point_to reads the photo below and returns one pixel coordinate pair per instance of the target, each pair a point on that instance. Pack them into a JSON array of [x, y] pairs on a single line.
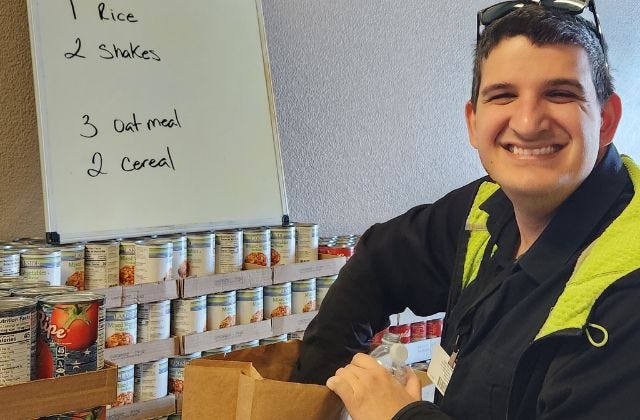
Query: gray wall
[[370, 100]]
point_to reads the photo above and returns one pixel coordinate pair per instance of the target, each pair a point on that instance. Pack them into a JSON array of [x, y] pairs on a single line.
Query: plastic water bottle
[[392, 354]]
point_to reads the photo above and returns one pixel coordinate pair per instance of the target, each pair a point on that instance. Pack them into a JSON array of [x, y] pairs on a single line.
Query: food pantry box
[[64, 394], [253, 384]]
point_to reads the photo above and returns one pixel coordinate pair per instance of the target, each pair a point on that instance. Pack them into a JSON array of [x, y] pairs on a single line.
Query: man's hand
[[369, 392]]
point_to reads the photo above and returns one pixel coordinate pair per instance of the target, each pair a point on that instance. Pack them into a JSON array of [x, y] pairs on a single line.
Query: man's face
[[537, 123]]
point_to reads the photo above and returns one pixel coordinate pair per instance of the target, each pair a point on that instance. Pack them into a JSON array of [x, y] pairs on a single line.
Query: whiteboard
[[154, 116]]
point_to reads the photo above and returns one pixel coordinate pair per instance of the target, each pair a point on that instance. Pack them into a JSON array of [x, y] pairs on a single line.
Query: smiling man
[[537, 265]]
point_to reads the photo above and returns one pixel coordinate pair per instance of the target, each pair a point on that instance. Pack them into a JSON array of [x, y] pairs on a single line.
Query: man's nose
[[530, 118]]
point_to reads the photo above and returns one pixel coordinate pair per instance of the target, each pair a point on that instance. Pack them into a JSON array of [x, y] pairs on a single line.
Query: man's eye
[[562, 95], [500, 97]]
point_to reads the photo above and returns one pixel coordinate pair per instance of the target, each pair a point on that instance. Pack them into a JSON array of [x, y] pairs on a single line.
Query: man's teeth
[[527, 152]]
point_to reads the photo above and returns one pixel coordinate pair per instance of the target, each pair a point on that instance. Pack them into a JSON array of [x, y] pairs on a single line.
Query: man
[[536, 266]]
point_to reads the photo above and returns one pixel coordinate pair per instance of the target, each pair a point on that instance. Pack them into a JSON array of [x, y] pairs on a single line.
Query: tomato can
[[154, 321], [124, 386], [201, 254], [296, 335], [256, 248], [249, 305], [229, 250], [72, 265], [188, 315], [71, 334], [277, 300], [150, 380], [101, 263], [179, 259], [121, 326], [18, 320], [403, 330], [217, 350], [34, 292], [418, 331], [41, 264], [127, 262], [339, 250], [9, 262], [283, 245], [303, 296], [245, 345], [434, 328], [154, 259], [275, 339], [306, 242], [176, 371], [322, 287], [221, 310]]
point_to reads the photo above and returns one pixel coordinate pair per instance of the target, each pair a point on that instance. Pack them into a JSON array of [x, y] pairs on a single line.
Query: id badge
[[441, 368]]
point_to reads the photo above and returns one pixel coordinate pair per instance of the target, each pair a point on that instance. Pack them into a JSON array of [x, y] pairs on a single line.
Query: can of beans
[[322, 287], [176, 371], [434, 328], [150, 380], [34, 292], [18, 319], [277, 300], [221, 310], [306, 242], [418, 331], [41, 264], [154, 259], [200, 254], [283, 245], [121, 326], [179, 260], [101, 263], [71, 334], [124, 386], [127, 262], [249, 305], [9, 262], [229, 251], [154, 321], [245, 345], [403, 330], [256, 248], [72, 265], [272, 340], [217, 350], [188, 315], [303, 296]]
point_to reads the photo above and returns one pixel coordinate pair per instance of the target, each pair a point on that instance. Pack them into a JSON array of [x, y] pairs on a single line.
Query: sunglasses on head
[[574, 7]]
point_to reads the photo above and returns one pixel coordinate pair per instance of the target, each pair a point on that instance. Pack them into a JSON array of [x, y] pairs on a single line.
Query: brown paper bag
[[252, 384]]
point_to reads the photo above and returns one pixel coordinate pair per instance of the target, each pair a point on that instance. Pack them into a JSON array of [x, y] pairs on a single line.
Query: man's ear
[[470, 116], [610, 115]]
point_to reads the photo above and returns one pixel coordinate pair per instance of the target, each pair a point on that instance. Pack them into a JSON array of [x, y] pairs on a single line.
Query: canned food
[[422, 366], [272, 340], [121, 326], [179, 260], [217, 350], [34, 292], [256, 248], [418, 331], [188, 315], [71, 334], [101, 263], [377, 338], [229, 251], [150, 380], [221, 310], [154, 260], [18, 320], [176, 371], [303, 296], [9, 262], [72, 265], [283, 245], [296, 335], [249, 305], [127, 262], [200, 254], [322, 287], [306, 242], [338, 250], [403, 330], [41, 264], [277, 300], [154, 321], [245, 345], [124, 386], [24, 284], [434, 328]]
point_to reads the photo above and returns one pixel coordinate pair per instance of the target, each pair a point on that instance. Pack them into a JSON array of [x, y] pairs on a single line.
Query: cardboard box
[[307, 270], [143, 352], [45, 397], [252, 384], [164, 406]]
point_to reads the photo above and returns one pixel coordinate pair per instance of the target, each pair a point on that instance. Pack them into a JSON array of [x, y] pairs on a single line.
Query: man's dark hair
[[543, 26]]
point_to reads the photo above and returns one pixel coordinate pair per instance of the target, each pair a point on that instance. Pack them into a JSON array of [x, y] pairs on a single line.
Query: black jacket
[[415, 261]]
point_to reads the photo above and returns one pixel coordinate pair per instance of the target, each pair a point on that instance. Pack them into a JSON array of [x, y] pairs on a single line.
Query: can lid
[[34, 292], [72, 298], [16, 302]]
